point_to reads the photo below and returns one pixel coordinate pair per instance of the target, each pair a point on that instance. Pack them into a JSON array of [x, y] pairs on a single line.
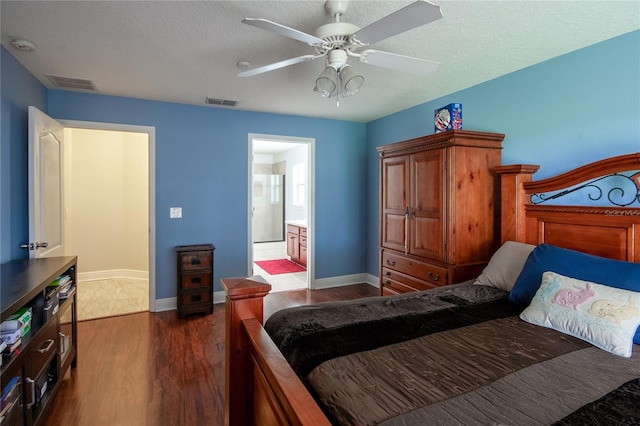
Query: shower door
[[268, 208]]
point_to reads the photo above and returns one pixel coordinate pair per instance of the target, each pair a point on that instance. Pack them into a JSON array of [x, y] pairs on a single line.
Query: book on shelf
[[66, 291], [10, 349], [60, 281], [10, 395]]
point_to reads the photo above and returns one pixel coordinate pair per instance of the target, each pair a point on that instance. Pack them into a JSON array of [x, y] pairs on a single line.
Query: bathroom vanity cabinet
[[297, 243]]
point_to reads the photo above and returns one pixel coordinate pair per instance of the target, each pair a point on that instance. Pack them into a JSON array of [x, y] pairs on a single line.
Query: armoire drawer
[[414, 268], [395, 287], [402, 283]]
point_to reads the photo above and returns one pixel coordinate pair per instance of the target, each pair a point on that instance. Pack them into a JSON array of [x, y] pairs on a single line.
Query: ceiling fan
[[337, 41]]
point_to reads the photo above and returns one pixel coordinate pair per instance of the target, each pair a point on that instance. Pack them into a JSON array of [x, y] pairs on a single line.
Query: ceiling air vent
[[223, 102], [71, 83]]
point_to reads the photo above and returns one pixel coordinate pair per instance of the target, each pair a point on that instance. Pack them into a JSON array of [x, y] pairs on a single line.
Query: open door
[[46, 197]]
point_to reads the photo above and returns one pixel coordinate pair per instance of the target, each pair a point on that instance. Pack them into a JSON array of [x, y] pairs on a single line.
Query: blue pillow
[[574, 264]]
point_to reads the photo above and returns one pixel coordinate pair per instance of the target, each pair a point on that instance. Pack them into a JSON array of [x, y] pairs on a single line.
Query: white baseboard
[[345, 280], [219, 297], [113, 273], [168, 304], [171, 303]]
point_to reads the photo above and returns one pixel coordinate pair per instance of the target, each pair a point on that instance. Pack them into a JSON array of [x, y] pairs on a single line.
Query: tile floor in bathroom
[[281, 282]]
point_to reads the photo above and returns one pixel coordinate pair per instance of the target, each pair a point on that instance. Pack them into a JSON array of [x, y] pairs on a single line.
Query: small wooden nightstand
[[195, 279]]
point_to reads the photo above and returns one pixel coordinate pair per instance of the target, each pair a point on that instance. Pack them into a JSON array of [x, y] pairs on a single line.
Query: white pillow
[[604, 316], [505, 265]]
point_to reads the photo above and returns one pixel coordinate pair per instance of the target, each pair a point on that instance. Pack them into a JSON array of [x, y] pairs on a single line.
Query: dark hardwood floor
[[157, 369]]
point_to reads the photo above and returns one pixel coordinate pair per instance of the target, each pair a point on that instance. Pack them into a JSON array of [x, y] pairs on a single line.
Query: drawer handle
[[433, 276], [64, 345], [391, 262], [195, 260], [387, 282], [32, 383], [196, 280], [388, 273], [49, 343]]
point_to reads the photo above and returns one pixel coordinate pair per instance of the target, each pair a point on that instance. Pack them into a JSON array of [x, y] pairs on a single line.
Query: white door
[[46, 198]]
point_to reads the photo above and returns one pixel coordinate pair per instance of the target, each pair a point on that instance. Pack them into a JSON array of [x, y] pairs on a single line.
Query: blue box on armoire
[[448, 118]]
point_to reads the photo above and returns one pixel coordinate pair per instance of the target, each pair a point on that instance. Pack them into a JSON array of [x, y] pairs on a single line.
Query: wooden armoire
[[439, 209]]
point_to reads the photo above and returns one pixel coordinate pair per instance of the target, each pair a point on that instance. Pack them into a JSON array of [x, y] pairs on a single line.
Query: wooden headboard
[[610, 231]]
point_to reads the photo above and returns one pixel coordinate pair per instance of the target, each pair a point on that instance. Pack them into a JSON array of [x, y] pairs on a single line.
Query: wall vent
[[223, 102], [71, 83]]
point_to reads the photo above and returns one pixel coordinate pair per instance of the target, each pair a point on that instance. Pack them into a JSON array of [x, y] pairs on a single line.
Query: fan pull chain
[[338, 91]]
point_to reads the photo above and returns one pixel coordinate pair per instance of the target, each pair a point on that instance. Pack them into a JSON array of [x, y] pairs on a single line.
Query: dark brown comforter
[[456, 355], [309, 335], [498, 372]]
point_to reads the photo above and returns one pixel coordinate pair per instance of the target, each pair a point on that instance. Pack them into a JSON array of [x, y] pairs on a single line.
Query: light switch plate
[[175, 212]]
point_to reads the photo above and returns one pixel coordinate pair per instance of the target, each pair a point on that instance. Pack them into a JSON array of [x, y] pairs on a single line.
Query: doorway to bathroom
[[280, 195]]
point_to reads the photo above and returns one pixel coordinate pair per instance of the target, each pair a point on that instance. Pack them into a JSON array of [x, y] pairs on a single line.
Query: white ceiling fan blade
[[282, 30], [416, 14], [277, 65], [398, 62]]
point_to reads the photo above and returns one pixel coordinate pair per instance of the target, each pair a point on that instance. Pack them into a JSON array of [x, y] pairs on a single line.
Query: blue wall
[[562, 113], [19, 89], [201, 165]]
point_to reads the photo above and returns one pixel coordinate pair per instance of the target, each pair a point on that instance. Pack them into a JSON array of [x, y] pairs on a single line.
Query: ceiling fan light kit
[[337, 41], [338, 75], [344, 78]]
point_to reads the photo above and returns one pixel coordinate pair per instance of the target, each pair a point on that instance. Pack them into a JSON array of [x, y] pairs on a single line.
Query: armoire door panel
[[395, 184], [427, 170], [427, 203], [427, 238], [395, 230], [394, 192]]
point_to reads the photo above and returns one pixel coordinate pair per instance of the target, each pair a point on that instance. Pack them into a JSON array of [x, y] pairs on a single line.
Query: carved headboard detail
[[610, 231]]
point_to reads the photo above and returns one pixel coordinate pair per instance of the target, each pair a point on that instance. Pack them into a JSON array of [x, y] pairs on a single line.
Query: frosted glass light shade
[[351, 82], [327, 82]]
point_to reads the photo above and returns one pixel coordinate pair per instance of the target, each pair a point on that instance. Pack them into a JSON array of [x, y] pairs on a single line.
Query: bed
[[545, 335]]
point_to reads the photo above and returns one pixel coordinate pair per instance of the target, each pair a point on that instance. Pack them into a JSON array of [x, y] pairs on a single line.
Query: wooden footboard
[[260, 386]]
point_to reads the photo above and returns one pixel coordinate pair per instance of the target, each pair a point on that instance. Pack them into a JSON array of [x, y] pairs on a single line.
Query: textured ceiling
[[184, 51]]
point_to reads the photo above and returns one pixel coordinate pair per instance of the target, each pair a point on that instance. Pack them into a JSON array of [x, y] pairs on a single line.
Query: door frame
[[310, 194], [151, 132]]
